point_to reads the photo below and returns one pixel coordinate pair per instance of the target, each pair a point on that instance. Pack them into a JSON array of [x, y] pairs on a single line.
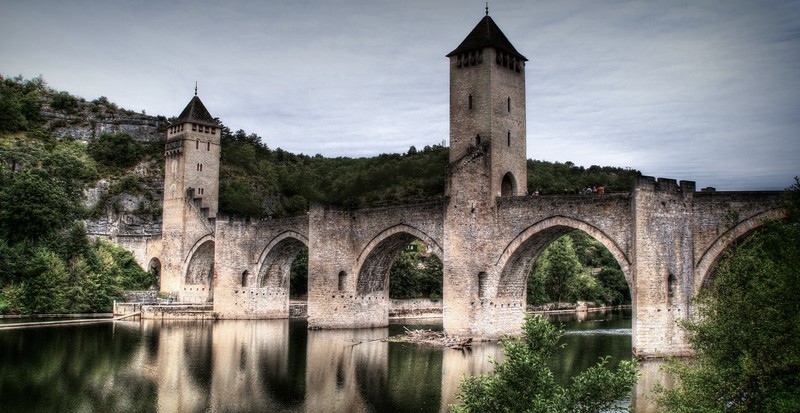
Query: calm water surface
[[263, 366]]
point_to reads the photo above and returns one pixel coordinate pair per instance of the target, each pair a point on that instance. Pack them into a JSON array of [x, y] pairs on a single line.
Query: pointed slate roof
[[196, 112], [486, 34]]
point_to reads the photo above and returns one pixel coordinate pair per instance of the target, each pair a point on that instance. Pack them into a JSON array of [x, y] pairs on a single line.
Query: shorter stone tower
[[191, 198]]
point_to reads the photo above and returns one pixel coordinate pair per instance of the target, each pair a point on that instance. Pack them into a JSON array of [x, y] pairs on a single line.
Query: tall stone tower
[[487, 107], [487, 161], [191, 198]]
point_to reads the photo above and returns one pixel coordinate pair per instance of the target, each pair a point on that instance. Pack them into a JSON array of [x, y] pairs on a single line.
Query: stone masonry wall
[[663, 267], [242, 247], [341, 241]]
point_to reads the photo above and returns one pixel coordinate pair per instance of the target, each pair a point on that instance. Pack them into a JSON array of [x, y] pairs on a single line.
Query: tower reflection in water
[[279, 365]]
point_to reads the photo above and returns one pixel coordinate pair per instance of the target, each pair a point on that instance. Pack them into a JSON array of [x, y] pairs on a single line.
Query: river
[[267, 365]]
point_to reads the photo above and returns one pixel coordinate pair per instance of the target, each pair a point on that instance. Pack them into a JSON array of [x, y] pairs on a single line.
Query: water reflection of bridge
[[279, 365]]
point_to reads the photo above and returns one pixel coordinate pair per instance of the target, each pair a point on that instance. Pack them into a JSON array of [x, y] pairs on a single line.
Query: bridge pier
[[663, 267]]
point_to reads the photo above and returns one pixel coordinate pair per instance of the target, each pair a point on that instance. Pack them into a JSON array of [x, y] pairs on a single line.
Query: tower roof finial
[[487, 8], [195, 88]]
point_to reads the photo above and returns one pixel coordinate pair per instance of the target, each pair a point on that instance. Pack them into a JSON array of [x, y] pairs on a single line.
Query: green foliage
[[64, 102], [20, 103], [560, 265], [257, 181], [525, 383], [49, 282], [298, 275], [33, 206], [415, 274], [577, 267], [746, 332], [116, 150], [238, 198], [568, 178], [49, 263]]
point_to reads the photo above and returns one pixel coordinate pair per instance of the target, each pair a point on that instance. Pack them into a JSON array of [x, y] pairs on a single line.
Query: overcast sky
[[699, 90]]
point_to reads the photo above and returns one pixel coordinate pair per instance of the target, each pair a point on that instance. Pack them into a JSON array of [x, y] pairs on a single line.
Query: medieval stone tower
[[191, 189], [487, 107], [487, 161]]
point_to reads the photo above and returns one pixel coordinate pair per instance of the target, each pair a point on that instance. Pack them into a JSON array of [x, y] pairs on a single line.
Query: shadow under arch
[[376, 259], [198, 275], [275, 261], [154, 267], [508, 186], [704, 268], [517, 259]]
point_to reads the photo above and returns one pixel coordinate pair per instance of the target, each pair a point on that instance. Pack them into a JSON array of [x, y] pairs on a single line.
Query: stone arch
[[517, 259], [704, 268], [276, 259], [198, 278], [376, 258], [508, 186], [154, 267]]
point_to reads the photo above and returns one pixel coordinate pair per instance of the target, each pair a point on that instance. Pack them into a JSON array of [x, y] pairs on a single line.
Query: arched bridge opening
[[557, 262], [402, 263], [198, 282], [377, 258], [706, 265], [154, 268], [282, 274]]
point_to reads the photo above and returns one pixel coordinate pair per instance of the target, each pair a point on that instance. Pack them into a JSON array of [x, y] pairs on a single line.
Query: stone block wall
[[345, 245], [243, 247], [663, 267]]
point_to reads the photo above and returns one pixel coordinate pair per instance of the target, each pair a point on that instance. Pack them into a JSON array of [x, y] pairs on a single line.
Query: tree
[[746, 332], [33, 206], [416, 275], [560, 267], [525, 383], [118, 150]]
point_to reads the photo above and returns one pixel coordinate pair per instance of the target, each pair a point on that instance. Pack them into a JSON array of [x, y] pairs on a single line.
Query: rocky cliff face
[[85, 121], [126, 205]]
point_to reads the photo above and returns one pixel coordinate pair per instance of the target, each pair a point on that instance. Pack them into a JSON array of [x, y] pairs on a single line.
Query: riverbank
[[566, 308]]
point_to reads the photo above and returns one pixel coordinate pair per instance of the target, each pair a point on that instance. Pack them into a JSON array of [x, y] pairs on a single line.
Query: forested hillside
[[258, 181], [49, 265]]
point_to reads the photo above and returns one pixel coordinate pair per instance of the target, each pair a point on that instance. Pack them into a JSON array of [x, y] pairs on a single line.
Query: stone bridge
[[665, 235], [666, 238]]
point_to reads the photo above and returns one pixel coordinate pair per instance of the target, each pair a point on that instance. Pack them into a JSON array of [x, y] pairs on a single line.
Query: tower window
[[194, 126], [197, 144], [478, 140], [470, 101], [208, 146], [509, 104], [509, 138]]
